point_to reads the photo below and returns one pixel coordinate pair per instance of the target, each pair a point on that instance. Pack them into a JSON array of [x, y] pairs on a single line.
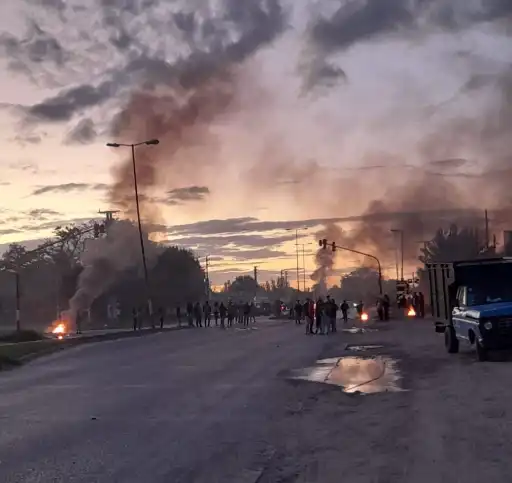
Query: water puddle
[[359, 330], [354, 374], [362, 348]]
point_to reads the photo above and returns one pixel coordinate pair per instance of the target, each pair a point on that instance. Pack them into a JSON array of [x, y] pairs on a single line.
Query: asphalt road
[[193, 405], [206, 406]]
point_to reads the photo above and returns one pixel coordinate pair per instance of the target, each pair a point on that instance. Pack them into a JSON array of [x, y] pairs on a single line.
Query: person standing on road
[[421, 304], [198, 314], [178, 315], [223, 312], [207, 309], [318, 315], [309, 311], [298, 312], [386, 302], [161, 315], [252, 312], [333, 311], [247, 313], [135, 314], [78, 322], [216, 313], [344, 311], [190, 314], [231, 313]]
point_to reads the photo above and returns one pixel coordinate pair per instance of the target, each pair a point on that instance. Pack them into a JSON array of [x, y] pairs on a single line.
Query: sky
[[272, 116]]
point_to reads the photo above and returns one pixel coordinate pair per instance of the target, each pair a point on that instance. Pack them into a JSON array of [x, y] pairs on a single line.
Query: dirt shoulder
[[452, 424]]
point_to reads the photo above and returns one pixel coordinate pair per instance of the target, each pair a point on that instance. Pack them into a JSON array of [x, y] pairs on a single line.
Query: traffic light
[[333, 246], [96, 230], [323, 243]]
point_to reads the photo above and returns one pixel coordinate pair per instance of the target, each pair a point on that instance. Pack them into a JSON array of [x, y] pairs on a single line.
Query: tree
[[244, 285], [363, 284], [453, 244]]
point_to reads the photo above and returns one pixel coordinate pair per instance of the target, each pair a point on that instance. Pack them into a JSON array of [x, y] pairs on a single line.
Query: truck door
[[458, 313]]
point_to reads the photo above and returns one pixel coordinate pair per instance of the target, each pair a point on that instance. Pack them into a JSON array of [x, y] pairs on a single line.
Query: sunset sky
[[333, 111]]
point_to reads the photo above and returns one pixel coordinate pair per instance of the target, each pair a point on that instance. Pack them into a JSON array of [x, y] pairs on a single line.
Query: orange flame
[[59, 329], [411, 313], [364, 316]]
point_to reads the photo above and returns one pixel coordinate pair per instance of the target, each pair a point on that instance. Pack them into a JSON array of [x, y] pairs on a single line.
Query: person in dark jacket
[[198, 313], [216, 313], [319, 309], [223, 311], [344, 310], [161, 316], [190, 314]]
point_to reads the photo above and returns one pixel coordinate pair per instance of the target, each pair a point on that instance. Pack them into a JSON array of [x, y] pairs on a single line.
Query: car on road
[[471, 302]]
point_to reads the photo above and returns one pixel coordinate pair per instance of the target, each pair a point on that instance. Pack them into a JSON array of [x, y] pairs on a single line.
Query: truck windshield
[[489, 294]]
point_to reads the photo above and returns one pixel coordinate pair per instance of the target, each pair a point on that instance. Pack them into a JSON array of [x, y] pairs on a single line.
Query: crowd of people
[[320, 316], [203, 315]]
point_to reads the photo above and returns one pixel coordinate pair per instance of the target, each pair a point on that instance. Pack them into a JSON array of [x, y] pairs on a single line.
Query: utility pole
[[207, 267], [297, 253], [486, 229], [256, 275], [304, 268]]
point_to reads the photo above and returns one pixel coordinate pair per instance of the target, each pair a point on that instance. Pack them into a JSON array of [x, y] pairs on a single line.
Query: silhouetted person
[[161, 316], [78, 322], [223, 311], [190, 314], [333, 311], [344, 311], [178, 315], [380, 308], [309, 312], [318, 315], [252, 313], [247, 313], [421, 304], [360, 308], [298, 312], [386, 303], [216, 313], [207, 309], [135, 314], [198, 314]]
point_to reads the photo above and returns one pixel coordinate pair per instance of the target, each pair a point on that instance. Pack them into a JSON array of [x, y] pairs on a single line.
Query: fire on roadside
[[59, 329], [411, 313], [364, 316]]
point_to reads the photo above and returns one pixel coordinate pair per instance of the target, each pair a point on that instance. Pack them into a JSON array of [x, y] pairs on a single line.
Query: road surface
[[204, 405]]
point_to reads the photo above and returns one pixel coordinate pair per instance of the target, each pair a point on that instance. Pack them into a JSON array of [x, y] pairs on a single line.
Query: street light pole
[[297, 253], [141, 236], [304, 268], [401, 232]]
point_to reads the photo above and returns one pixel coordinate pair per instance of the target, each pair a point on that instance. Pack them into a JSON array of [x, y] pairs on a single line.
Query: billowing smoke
[[399, 112], [104, 259], [325, 258]]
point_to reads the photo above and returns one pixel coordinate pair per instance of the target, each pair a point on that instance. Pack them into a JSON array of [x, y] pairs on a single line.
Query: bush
[[21, 336]]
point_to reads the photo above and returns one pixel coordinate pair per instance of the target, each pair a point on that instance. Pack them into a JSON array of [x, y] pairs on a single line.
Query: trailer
[[471, 302]]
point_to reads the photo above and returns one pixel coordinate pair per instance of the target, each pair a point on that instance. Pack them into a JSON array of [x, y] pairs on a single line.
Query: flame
[[411, 313], [364, 316], [59, 329]]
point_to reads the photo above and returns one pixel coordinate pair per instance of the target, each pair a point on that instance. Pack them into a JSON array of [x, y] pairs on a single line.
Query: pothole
[[355, 374]]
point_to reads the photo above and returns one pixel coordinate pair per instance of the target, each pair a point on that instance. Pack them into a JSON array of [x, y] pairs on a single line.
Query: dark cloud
[[361, 20], [82, 133], [68, 188], [190, 193], [63, 106], [9, 231], [43, 213], [36, 47]]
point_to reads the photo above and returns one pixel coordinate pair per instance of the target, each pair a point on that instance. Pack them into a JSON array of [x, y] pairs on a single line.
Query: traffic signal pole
[[323, 243]]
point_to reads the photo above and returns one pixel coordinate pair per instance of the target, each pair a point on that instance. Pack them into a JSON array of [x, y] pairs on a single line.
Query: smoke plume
[[104, 259], [325, 258], [396, 111]]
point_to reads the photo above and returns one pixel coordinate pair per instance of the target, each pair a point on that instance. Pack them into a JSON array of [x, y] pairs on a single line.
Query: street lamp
[[297, 252], [304, 264], [401, 233], [151, 142]]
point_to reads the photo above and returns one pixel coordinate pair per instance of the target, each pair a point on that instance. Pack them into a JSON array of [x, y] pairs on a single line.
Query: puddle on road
[[354, 374], [359, 330], [362, 348]]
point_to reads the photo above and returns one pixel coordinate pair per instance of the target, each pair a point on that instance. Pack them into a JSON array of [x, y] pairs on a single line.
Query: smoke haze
[[397, 111]]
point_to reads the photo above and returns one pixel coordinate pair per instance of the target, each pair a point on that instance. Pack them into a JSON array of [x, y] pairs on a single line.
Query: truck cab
[[471, 301]]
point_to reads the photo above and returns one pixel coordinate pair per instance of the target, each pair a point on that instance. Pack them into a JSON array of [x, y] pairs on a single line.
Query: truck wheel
[[481, 352], [450, 340]]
